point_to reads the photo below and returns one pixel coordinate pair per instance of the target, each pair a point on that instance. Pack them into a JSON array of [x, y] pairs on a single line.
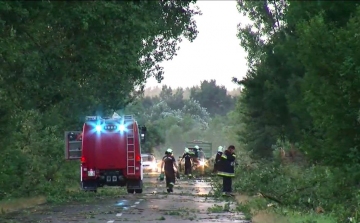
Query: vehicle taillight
[[82, 159], [138, 158]]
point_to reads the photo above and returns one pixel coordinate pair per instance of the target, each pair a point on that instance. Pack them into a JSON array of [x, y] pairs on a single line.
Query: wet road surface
[[188, 203]]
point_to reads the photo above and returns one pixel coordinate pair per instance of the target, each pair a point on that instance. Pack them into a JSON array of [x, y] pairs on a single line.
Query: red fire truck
[[109, 150]]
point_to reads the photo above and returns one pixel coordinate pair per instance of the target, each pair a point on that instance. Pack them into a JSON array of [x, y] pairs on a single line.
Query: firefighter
[[197, 148], [191, 152], [192, 155], [168, 166], [226, 169], [187, 157], [196, 155], [217, 158]]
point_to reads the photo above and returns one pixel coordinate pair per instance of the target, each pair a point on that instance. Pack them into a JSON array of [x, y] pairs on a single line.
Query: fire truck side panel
[[106, 159]]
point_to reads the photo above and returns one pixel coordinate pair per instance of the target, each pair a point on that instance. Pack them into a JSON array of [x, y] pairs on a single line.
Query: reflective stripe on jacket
[[226, 164]]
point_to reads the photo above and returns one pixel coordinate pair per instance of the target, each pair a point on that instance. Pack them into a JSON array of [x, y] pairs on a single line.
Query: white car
[[149, 163]]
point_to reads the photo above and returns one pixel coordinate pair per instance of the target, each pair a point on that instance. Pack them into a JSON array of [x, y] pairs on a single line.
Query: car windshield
[[148, 158]]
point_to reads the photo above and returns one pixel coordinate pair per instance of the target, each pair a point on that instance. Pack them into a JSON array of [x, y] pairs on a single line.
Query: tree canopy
[[302, 83], [174, 119], [301, 96], [213, 97], [64, 60]]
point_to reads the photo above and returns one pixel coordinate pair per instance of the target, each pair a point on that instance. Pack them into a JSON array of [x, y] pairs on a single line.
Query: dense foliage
[[301, 85], [302, 93], [173, 120], [64, 60]]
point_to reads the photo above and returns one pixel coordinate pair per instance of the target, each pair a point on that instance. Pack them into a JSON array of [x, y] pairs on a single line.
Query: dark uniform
[[226, 170], [170, 175], [187, 158], [217, 161], [196, 156], [196, 152], [192, 155]]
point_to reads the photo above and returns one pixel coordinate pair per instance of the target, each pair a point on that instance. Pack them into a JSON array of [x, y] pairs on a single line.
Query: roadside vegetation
[[62, 61], [298, 113]]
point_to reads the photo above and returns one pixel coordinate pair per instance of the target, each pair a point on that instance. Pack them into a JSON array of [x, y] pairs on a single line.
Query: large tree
[[173, 98], [87, 55], [301, 84], [64, 60], [213, 97]]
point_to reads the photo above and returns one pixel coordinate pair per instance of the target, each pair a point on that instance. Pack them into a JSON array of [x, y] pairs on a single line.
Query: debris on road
[[189, 202]]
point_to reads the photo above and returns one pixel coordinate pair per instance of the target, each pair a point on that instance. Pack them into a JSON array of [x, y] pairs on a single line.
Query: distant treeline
[[155, 91]]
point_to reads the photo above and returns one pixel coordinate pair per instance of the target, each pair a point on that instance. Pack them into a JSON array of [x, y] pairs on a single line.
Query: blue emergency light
[[98, 128], [122, 127]]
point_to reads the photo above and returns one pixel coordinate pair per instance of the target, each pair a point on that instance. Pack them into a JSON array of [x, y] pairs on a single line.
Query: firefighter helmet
[[220, 149], [169, 150], [196, 147], [186, 150]]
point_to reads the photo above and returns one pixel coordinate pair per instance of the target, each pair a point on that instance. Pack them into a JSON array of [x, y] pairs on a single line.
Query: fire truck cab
[[109, 150]]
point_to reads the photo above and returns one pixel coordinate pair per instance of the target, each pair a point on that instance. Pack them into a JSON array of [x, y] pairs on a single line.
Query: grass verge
[[301, 191], [11, 205], [260, 210], [263, 212], [71, 194]]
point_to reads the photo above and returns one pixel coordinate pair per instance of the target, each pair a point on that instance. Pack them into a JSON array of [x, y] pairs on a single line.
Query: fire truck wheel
[[130, 191], [139, 191]]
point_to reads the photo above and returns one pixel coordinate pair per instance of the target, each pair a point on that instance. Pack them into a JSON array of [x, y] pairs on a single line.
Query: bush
[[304, 188]]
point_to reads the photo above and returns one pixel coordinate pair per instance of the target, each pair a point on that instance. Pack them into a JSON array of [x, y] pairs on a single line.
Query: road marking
[[111, 221], [133, 206], [137, 202], [118, 214]]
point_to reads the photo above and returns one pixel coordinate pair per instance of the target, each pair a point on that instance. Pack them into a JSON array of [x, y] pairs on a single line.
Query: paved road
[[188, 203]]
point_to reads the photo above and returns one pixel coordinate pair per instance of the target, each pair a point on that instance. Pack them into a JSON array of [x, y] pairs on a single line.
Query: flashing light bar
[[91, 118], [110, 127], [95, 118]]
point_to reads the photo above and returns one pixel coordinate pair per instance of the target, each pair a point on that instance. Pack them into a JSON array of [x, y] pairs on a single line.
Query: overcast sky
[[216, 52]]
